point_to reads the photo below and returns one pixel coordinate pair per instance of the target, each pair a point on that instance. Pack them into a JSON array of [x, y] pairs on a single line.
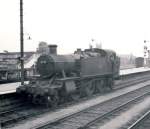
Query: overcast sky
[[121, 25]]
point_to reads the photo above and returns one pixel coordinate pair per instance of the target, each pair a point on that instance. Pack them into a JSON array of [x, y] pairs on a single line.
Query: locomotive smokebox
[[48, 65], [52, 49]]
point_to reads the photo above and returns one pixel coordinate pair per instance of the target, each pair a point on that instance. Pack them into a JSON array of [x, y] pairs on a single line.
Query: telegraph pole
[[21, 43]]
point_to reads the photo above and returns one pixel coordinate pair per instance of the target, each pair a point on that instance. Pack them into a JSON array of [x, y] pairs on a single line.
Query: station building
[[9, 64]]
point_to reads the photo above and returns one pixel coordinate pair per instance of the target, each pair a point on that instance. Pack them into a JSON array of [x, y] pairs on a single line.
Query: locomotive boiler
[[64, 77]]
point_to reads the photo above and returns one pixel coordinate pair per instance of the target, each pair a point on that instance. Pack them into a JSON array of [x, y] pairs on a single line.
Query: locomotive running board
[[85, 77]]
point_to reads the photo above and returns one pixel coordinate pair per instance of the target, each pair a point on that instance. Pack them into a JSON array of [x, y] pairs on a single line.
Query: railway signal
[[146, 51]]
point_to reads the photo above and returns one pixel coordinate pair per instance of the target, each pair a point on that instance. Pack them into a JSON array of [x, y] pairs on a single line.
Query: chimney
[[53, 49]]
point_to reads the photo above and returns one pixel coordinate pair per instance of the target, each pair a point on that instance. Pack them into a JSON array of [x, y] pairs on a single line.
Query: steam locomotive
[[64, 77]]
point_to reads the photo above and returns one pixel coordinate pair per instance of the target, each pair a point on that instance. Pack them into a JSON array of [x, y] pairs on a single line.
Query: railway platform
[[11, 87], [134, 70]]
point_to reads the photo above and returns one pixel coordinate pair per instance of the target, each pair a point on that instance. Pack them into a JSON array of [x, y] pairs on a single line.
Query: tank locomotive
[[72, 76]]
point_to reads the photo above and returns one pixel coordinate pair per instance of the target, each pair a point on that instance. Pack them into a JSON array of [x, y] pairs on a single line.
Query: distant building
[[10, 64], [127, 61], [10, 60]]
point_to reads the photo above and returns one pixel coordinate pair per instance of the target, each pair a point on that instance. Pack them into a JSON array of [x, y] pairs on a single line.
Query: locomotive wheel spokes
[[89, 89], [29, 97], [34, 99], [55, 101], [109, 84], [75, 96], [52, 100], [100, 86], [37, 99]]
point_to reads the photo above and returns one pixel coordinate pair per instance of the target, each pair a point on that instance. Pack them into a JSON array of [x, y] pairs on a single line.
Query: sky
[[120, 25]]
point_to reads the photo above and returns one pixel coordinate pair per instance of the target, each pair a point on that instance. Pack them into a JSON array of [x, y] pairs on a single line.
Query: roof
[[15, 53], [101, 51]]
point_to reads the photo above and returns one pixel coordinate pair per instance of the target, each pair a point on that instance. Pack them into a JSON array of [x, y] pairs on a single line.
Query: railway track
[[11, 103], [19, 110], [21, 113], [142, 123], [85, 118]]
